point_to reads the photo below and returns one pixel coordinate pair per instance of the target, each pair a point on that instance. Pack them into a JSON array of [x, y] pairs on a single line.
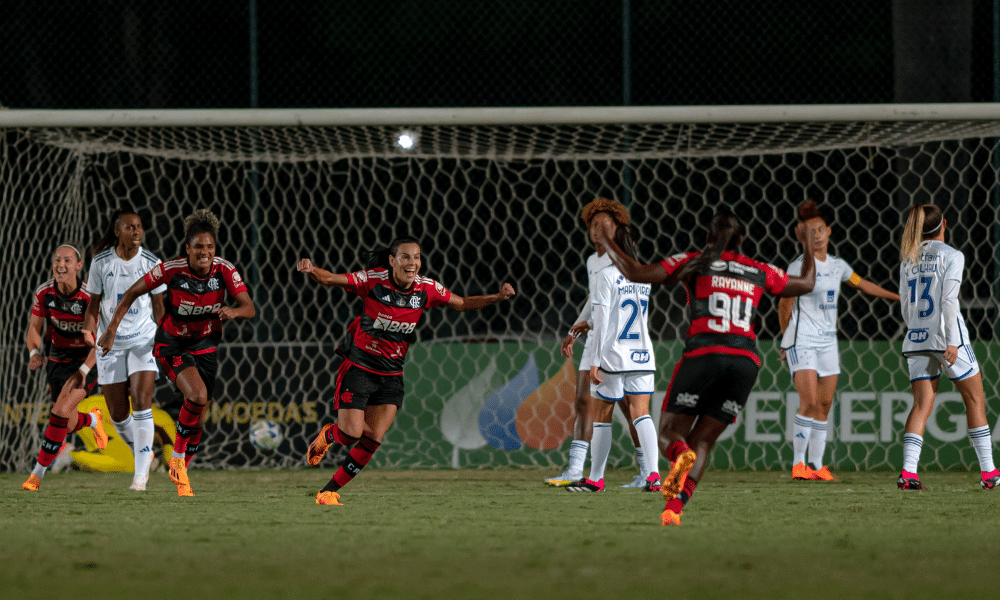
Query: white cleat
[[638, 482], [563, 480]]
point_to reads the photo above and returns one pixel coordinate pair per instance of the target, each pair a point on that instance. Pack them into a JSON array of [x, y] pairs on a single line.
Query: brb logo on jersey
[[188, 309], [919, 335], [640, 356], [393, 326]]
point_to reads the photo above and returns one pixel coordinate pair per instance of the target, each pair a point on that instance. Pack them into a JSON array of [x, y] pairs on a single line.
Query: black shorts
[[357, 388], [716, 385], [174, 358], [58, 373]]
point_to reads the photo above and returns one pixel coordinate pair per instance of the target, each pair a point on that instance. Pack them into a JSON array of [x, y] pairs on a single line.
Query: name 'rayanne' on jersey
[[738, 285]]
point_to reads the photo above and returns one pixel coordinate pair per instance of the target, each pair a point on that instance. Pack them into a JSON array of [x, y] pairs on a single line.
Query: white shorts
[[824, 360], [117, 365], [616, 385], [928, 365], [587, 359]]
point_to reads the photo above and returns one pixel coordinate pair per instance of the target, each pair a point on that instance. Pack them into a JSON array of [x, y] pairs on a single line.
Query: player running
[[126, 365], [583, 402], [713, 379], [809, 344], [57, 308], [369, 385], [623, 363], [190, 331], [937, 341]]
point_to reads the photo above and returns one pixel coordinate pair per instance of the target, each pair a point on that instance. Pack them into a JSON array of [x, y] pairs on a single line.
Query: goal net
[[495, 195]]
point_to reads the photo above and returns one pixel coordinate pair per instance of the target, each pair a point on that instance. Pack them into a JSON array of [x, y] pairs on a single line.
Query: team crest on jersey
[[213, 284], [236, 277], [76, 309], [158, 271], [439, 288], [414, 302]]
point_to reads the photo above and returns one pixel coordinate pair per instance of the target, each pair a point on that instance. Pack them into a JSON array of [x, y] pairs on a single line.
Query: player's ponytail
[[724, 235], [923, 221], [110, 237]]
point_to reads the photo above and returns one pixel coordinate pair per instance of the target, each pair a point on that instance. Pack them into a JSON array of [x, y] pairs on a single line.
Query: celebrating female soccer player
[[937, 340], [713, 379], [622, 364], [58, 307], [583, 402], [126, 363], [190, 331], [809, 324], [369, 384]]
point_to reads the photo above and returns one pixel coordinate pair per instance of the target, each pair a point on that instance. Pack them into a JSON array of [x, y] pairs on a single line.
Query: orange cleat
[[673, 483], [802, 472], [328, 499], [669, 517], [179, 475], [97, 424], [32, 484], [318, 447], [823, 474]]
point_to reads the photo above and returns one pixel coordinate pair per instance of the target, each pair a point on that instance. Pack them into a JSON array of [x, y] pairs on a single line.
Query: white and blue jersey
[[928, 293], [813, 323], [620, 324], [110, 277]]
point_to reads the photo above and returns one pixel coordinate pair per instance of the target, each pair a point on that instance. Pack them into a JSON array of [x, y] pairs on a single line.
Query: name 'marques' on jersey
[[379, 339], [63, 316], [722, 302], [192, 301]]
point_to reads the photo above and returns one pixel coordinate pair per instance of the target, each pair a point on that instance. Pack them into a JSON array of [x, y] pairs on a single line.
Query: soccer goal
[[495, 196]]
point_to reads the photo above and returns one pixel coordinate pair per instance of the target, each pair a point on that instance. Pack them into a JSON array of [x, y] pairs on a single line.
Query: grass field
[[495, 534]]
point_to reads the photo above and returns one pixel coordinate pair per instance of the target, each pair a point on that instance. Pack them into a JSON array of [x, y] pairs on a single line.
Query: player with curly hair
[[189, 333], [595, 213], [57, 318], [937, 341], [809, 343], [713, 380], [368, 390]]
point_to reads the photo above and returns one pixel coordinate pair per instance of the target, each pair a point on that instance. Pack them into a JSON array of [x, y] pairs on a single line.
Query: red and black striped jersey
[[192, 301], [63, 316], [379, 339], [722, 302]]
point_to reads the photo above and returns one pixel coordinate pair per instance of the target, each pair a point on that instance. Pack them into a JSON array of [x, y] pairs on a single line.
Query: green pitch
[[494, 534]]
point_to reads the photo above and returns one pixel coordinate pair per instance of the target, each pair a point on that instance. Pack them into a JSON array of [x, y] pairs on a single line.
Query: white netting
[[494, 203]]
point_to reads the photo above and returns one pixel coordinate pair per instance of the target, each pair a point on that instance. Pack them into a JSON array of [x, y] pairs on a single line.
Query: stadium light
[[407, 140]]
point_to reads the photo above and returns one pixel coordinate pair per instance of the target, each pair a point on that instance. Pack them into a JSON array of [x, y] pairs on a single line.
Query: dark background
[[447, 53]]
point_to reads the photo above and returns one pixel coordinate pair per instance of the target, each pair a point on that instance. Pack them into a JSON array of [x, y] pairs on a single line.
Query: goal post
[[494, 195]]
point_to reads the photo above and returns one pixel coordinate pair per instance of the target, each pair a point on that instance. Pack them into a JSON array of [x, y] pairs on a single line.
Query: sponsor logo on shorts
[[918, 335], [731, 407], [689, 400], [640, 356]]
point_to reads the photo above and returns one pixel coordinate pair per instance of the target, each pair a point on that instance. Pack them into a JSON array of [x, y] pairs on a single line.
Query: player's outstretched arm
[[137, 289], [632, 269], [321, 276], [33, 338], [873, 289], [244, 308], [804, 283], [465, 303]]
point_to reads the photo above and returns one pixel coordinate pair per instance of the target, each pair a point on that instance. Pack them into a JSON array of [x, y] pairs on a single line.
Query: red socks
[[335, 435], [55, 435], [675, 449], [356, 460], [82, 420], [187, 425]]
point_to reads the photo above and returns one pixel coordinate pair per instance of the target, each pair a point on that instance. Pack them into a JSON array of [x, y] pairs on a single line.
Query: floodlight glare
[[406, 140]]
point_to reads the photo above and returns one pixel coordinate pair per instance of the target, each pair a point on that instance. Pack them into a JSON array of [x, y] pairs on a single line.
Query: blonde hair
[[922, 221], [618, 211]]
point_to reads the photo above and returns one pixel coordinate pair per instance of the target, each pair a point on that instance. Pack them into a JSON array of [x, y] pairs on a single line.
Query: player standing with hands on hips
[[713, 380], [937, 341]]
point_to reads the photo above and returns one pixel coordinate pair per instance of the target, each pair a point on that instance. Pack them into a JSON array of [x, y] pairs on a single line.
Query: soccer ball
[[265, 435]]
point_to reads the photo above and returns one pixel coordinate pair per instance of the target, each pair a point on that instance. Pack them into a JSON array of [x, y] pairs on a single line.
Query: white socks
[[912, 443], [143, 445], [983, 444], [124, 429], [577, 456], [801, 434], [817, 444], [600, 447], [649, 457]]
